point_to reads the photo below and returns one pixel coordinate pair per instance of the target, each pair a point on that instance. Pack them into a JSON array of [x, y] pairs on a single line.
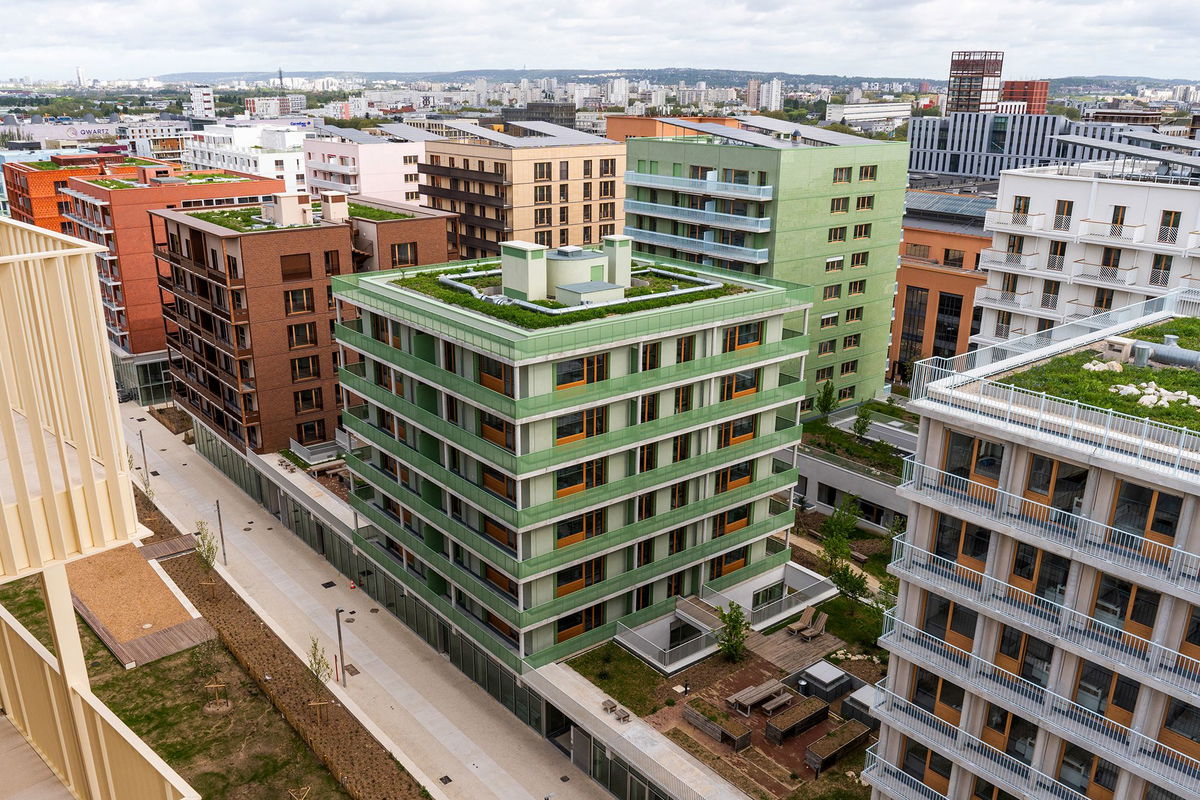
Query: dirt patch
[[871, 545], [335, 481], [149, 515], [368, 771], [808, 559], [864, 669], [125, 593], [173, 419]]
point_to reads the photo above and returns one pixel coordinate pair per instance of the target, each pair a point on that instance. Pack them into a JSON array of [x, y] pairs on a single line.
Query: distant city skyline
[[910, 38]]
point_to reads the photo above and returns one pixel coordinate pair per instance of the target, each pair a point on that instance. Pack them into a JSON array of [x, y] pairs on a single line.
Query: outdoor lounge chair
[[817, 628], [805, 621]]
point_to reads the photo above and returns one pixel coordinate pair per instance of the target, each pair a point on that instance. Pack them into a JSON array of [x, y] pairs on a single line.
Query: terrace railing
[[893, 781]]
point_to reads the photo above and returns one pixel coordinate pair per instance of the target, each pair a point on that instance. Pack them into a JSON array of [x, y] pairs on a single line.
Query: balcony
[[464, 174], [736, 222], [1110, 232], [991, 258], [332, 166], [1047, 619], [1061, 222], [748, 255], [970, 752], [1056, 263], [698, 186], [496, 201], [337, 186], [99, 227], [1100, 545], [1061, 715], [1106, 274], [1020, 222], [1047, 304], [893, 781], [1000, 298]]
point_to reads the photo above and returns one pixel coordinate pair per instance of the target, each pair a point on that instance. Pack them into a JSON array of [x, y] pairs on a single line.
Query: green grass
[[242, 220], [879, 455], [217, 177], [854, 623], [367, 212], [250, 753], [295, 459], [1063, 377], [895, 411], [112, 183], [1186, 328], [427, 283], [622, 675]]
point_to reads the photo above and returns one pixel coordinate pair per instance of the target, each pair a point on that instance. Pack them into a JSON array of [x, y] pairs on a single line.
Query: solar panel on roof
[[1122, 148], [563, 134], [351, 134], [732, 134], [1161, 138], [956, 204], [811, 132], [409, 132]]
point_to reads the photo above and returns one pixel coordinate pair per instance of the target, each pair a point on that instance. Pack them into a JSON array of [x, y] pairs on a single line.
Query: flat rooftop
[[49, 166], [1085, 385], [250, 219], [178, 179]]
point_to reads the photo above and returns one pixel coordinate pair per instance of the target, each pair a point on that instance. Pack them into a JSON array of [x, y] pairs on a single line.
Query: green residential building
[[793, 202], [562, 446]]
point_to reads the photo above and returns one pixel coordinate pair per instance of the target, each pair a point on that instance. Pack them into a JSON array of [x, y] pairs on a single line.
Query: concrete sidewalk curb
[[431, 786]]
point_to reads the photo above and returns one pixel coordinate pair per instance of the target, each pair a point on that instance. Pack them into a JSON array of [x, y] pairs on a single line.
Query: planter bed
[[825, 751], [797, 719], [718, 724]]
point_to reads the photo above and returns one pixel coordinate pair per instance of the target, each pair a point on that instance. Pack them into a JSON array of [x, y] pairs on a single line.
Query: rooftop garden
[[216, 177], [427, 284], [1186, 328], [112, 183], [876, 455], [242, 220], [378, 214], [1065, 376], [50, 165]]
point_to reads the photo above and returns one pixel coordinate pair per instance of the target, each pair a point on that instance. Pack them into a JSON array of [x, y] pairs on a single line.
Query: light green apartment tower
[[556, 446], [793, 202]]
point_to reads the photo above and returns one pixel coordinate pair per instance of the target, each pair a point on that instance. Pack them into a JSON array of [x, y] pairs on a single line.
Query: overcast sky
[[909, 38]]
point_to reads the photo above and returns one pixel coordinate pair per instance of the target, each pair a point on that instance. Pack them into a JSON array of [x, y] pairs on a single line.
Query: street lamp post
[[341, 651]]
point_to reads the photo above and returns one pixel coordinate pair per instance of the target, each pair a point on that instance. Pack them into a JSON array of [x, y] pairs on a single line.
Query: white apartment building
[[855, 114], [383, 166], [1046, 640], [161, 139], [1073, 240], [770, 95], [271, 151], [203, 102]]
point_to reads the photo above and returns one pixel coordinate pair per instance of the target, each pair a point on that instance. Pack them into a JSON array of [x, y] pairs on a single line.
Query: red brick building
[[1034, 94], [111, 210], [248, 310]]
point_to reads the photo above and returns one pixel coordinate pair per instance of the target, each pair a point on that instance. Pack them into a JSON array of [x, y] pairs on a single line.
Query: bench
[[861, 558], [816, 629], [805, 621], [749, 697], [775, 704], [622, 714], [609, 706]]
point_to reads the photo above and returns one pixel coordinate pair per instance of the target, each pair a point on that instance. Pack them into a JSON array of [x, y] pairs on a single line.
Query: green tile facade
[[443, 442], [769, 211]]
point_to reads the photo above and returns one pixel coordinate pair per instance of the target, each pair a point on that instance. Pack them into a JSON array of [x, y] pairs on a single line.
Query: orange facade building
[[621, 128], [113, 211], [34, 186], [938, 276], [1034, 94]]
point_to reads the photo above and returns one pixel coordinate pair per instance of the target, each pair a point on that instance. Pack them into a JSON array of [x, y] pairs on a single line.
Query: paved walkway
[[26, 776], [442, 721]]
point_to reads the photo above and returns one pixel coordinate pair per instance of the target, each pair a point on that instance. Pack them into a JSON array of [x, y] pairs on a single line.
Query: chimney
[[334, 207], [619, 250], [523, 270], [288, 208]]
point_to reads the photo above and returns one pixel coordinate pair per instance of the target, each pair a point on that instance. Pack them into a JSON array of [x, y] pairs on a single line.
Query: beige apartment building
[[535, 182]]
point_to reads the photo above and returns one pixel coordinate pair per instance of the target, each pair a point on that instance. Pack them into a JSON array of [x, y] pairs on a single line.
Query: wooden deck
[[152, 646], [791, 653], [167, 548]]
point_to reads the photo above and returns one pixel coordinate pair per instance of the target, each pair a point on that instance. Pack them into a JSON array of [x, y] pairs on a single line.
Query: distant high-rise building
[[79, 76], [974, 80], [203, 102], [771, 97], [752, 89], [1033, 94]]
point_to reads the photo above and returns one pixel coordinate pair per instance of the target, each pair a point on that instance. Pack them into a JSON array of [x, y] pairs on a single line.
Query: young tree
[[826, 400], [849, 581], [318, 664], [206, 545], [862, 422], [836, 531], [731, 640]]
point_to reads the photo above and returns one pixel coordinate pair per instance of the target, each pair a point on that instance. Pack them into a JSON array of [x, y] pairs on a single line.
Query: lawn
[[622, 675], [890, 410], [854, 623], [1186, 328], [380, 214], [249, 753], [242, 220], [1063, 376], [877, 455]]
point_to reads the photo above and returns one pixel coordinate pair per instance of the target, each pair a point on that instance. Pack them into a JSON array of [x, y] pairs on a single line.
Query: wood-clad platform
[[791, 653], [152, 646], [176, 545]]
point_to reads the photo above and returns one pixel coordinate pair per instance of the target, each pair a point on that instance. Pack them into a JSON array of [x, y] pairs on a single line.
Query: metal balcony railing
[[1066, 627], [1055, 263], [698, 186], [332, 166], [893, 781], [1062, 222], [1050, 302], [737, 222], [1021, 220], [1063, 716], [665, 657], [1160, 277], [991, 296], [991, 257], [1168, 234], [972, 753], [1112, 231], [751, 255], [1104, 273]]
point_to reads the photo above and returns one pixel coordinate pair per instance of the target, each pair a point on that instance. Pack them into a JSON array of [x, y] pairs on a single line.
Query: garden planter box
[[718, 724], [797, 719], [824, 752]]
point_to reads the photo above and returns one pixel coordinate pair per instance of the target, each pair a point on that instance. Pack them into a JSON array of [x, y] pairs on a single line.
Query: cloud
[[899, 38]]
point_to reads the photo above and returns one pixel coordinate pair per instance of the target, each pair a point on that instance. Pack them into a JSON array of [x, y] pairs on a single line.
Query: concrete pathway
[[26, 776], [813, 546], [443, 723]]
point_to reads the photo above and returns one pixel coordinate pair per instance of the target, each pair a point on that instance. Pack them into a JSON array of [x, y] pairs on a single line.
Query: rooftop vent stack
[[523, 270], [619, 251], [1141, 355], [289, 208], [334, 207]]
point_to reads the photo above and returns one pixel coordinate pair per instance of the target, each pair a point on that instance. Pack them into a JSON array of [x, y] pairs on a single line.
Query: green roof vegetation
[[427, 283], [880, 456], [1064, 376], [242, 220], [218, 177], [111, 183], [369, 212], [1186, 328], [50, 165]]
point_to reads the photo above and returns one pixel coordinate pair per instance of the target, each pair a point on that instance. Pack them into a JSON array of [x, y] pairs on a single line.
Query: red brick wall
[[428, 232]]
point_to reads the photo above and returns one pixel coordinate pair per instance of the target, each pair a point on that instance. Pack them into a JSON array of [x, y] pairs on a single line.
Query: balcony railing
[[1050, 302], [321, 183], [749, 255], [333, 166], [700, 216], [972, 753], [1104, 273], [893, 781], [1020, 220], [1063, 716], [1055, 263], [1160, 277], [665, 657], [1066, 627], [1062, 222], [698, 186], [1002, 298], [1168, 235], [991, 257], [1095, 543], [1112, 231]]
